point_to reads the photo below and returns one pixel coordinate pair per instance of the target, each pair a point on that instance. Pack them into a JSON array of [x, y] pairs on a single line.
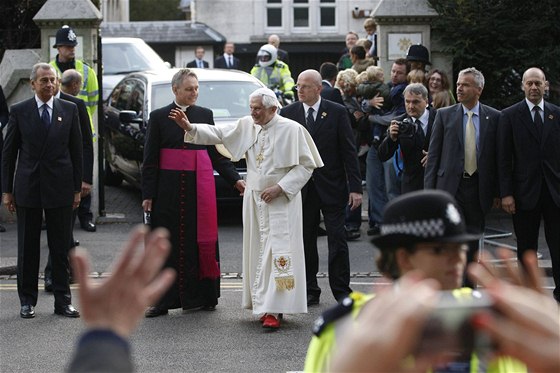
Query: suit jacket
[[525, 159], [411, 149], [446, 153], [193, 64], [331, 93], [283, 56], [101, 351], [220, 63], [87, 137], [49, 162], [334, 139]]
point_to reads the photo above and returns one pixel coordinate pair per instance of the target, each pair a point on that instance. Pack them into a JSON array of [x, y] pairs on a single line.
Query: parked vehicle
[[122, 56], [127, 110]]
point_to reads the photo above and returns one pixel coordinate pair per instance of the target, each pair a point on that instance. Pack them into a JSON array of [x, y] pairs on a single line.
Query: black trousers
[[526, 224], [48, 266], [29, 241], [468, 199], [339, 260]]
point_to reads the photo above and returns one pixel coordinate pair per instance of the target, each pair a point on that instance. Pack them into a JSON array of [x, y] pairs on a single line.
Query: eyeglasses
[[303, 86]]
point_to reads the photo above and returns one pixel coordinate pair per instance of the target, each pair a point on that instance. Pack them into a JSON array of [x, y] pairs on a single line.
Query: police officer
[[273, 72], [421, 231], [66, 41]]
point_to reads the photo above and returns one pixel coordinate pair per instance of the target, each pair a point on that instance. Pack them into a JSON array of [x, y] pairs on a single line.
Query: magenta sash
[[206, 214]]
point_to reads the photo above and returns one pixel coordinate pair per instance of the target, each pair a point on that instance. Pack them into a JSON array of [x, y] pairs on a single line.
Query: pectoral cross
[[259, 158]]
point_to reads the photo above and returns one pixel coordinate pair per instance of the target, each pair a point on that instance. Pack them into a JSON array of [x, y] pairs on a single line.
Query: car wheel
[[112, 178]]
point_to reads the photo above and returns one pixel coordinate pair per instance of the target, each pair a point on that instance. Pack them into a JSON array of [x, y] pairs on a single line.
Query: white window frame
[[314, 7]]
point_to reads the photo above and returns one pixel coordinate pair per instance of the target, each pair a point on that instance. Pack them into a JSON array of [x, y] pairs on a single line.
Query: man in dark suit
[[87, 152], [227, 60], [413, 140], [199, 60], [462, 153], [331, 188], [44, 139], [4, 117], [529, 169], [282, 54], [329, 71]]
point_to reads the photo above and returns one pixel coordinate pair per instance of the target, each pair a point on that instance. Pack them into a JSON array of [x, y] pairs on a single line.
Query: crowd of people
[[433, 169]]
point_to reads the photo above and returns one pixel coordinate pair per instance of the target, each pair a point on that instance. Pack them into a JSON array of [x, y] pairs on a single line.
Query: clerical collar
[[183, 108]]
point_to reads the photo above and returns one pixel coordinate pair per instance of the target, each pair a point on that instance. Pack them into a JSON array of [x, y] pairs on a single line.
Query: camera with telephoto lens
[[406, 128], [449, 328]]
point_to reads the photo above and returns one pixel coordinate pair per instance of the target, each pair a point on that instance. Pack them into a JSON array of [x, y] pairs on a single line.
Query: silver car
[[127, 110], [122, 56]]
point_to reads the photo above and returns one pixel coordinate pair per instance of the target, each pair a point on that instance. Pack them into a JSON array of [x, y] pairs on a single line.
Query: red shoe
[[271, 322], [262, 318]]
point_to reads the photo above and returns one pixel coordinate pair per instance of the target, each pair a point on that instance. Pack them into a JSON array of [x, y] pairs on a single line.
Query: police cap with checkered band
[[422, 216], [65, 36]]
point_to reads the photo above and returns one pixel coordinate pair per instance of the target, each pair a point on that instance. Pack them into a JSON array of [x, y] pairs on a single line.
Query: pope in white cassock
[[281, 157]]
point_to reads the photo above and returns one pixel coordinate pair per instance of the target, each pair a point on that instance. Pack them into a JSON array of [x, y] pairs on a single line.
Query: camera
[[406, 128], [449, 328]]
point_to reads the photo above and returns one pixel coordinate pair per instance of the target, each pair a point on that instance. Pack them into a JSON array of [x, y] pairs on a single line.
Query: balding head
[[534, 84], [274, 40], [71, 82], [309, 86]]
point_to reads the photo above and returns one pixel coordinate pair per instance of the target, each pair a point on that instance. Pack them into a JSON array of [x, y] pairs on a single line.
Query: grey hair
[[180, 75], [268, 101], [42, 66], [478, 77], [70, 76], [417, 89]]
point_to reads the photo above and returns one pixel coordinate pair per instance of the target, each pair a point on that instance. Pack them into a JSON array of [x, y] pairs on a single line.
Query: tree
[[501, 38], [166, 10]]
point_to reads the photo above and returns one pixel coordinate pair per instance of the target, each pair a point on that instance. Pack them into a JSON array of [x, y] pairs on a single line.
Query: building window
[[327, 13], [274, 13], [301, 13], [299, 16]]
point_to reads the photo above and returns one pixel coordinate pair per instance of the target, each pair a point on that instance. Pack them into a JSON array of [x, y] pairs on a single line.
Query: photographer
[[423, 232], [411, 132]]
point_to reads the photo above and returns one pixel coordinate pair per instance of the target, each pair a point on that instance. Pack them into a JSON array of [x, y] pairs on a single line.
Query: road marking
[[224, 285]]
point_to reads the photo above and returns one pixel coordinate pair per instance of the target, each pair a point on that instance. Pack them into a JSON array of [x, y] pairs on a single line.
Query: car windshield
[[227, 100], [122, 58]]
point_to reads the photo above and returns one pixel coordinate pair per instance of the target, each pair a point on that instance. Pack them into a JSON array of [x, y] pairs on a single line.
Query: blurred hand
[[86, 189], [527, 326], [394, 130], [508, 204], [388, 329], [179, 117], [424, 159], [77, 199], [240, 186], [119, 302], [354, 200], [377, 101], [9, 202], [147, 205], [271, 193]]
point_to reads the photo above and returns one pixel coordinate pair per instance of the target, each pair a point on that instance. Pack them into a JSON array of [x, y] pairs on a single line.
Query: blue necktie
[[45, 117]]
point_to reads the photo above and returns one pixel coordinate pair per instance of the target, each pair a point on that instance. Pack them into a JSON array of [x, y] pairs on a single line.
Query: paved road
[[227, 340]]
